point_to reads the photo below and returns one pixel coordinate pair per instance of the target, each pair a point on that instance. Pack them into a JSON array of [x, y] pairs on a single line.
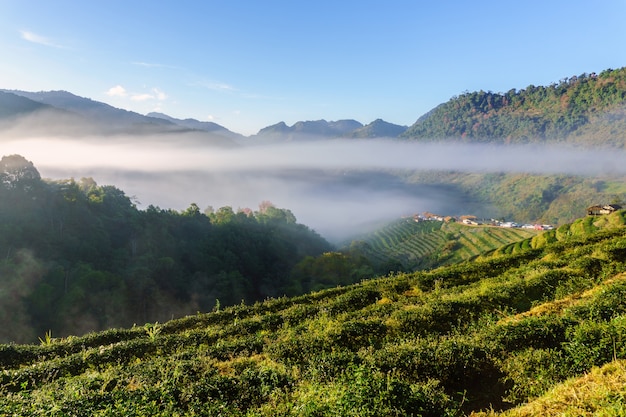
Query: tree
[[223, 215], [192, 211], [17, 172]]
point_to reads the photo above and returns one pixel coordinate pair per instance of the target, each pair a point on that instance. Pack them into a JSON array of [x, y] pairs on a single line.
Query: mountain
[[21, 116], [321, 129], [63, 113], [586, 109], [305, 130], [197, 125], [15, 105], [96, 112], [377, 129], [537, 331]]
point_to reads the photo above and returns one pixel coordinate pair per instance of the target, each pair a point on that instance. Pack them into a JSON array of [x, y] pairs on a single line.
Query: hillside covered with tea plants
[[408, 245], [533, 328]]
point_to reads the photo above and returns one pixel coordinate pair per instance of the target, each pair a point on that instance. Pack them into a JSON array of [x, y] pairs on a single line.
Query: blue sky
[[250, 64]]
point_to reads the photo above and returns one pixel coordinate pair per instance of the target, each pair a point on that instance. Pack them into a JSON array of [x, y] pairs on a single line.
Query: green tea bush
[[530, 372], [242, 346], [595, 343], [358, 333], [355, 299], [272, 321], [255, 385], [296, 314], [298, 348], [326, 366], [539, 332], [469, 272], [364, 392], [12, 356], [606, 304], [576, 285], [424, 319], [616, 251], [457, 363], [543, 286]]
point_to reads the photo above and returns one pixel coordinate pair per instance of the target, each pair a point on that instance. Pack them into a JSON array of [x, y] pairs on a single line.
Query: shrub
[[604, 305], [595, 343], [530, 372], [359, 333], [539, 332], [353, 300], [365, 392]]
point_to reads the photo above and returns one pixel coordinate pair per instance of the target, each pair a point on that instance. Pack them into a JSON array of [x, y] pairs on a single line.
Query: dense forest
[[78, 257], [584, 108], [537, 328]]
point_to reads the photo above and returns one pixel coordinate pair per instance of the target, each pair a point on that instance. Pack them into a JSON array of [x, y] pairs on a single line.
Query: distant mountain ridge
[[98, 117], [587, 109], [306, 130], [64, 113], [91, 110], [14, 105], [197, 125], [378, 129]]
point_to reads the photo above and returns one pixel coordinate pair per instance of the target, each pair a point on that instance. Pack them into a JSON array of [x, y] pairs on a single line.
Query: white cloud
[[222, 86], [217, 86], [141, 97], [155, 95], [160, 95], [38, 39], [117, 91]]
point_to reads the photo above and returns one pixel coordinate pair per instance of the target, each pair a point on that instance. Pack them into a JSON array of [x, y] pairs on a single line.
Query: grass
[[601, 392], [559, 306]]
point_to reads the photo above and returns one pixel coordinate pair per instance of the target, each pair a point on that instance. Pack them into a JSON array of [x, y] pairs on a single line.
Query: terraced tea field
[[426, 244]]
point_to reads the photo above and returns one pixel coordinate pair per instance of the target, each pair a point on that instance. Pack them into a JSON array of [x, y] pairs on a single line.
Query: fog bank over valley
[[336, 187]]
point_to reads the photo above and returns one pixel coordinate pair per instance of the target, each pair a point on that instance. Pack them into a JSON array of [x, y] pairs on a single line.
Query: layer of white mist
[[144, 155], [315, 180]]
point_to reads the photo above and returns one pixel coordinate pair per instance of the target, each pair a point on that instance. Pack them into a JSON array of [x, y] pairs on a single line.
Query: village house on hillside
[[599, 210], [427, 216]]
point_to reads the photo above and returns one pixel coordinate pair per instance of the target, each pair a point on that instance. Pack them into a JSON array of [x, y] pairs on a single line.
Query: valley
[[153, 265]]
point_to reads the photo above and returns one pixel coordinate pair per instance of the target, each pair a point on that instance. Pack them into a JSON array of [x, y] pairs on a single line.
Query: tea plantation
[[535, 328]]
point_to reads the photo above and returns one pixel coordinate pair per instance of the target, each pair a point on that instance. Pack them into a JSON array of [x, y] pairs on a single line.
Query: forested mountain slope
[[482, 336], [78, 257], [586, 109]]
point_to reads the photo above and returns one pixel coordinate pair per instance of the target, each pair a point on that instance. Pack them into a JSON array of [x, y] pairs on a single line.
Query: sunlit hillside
[[529, 327], [407, 244], [583, 109]]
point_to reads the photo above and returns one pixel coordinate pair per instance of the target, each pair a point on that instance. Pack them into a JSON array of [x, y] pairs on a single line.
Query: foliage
[[77, 257], [478, 337], [560, 111]]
